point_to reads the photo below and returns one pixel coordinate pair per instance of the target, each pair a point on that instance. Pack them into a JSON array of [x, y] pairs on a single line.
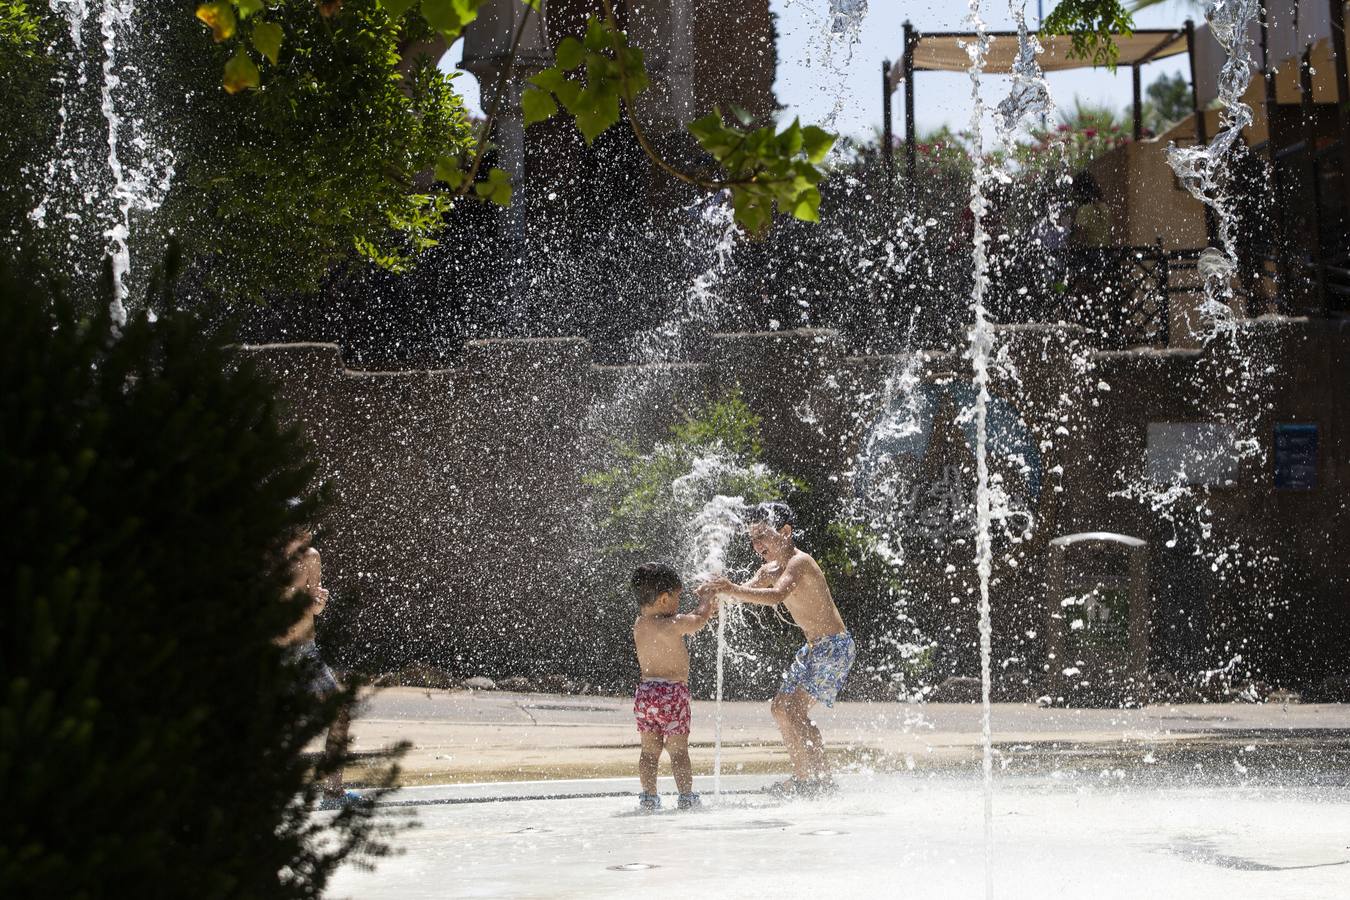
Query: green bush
[[151, 732], [637, 510], [272, 188]]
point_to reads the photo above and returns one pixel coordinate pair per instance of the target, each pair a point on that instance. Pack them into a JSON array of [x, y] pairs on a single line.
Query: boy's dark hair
[[303, 526], [775, 514], [652, 579]]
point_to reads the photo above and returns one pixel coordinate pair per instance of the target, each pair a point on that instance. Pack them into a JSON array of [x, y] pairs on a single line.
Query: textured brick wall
[[454, 535]]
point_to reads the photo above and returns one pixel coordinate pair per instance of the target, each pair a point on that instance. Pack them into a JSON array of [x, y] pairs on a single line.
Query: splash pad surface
[[900, 835], [1196, 801]]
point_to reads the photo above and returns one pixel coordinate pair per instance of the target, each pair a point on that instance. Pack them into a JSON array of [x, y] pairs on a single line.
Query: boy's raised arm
[[314, 581], [766, 596], [689, 623]]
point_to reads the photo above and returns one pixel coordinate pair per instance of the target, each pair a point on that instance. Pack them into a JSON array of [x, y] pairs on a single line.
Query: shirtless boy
[[661, 702], [306, 580], [791, 577]]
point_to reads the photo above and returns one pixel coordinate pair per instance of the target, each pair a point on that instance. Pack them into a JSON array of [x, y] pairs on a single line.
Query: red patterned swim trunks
[[662, 707]]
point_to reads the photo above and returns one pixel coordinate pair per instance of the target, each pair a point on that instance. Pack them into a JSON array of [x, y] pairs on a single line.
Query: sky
[[839, 86]]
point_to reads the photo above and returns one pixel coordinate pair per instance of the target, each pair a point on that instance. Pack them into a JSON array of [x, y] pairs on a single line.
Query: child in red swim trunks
[[661, 703]]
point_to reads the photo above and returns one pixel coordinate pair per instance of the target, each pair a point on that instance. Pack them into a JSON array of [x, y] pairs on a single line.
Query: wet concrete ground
[[1231, 801], [921, 835]]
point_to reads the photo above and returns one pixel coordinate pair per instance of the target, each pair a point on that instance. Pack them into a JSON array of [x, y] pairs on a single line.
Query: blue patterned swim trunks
[[319, 678], [821, 668]]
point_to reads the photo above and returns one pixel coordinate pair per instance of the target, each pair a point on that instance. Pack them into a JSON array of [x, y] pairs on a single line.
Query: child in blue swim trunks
[[791, 577]]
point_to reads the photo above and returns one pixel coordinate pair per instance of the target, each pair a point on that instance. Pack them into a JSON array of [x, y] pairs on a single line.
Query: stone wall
[[458, 501]]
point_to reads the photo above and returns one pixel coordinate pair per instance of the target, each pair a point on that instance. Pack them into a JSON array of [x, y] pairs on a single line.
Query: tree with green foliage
[[1169, 101], [637, 509], [303, 136], [1093, 25], [27, 109], [272, 187], [304, 133], [152, 733], [301, 162], [597, 79]]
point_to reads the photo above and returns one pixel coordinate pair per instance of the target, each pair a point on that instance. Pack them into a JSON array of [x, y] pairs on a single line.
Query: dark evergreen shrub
[[151, 732]]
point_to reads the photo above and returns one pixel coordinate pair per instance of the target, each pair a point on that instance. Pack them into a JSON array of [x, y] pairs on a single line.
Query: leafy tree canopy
[[272, 186], [1169, 101], [1093, 25]]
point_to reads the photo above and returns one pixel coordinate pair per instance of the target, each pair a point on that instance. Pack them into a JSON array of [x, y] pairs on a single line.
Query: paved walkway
[[468, 736]]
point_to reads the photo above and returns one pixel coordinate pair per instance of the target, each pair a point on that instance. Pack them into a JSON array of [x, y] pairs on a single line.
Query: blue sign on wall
[[1295, 457]]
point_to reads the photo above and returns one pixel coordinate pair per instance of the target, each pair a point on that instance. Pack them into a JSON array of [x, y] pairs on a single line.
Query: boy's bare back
[[660, 645]]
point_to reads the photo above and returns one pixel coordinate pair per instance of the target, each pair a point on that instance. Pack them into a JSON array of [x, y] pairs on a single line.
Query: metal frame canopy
[[945, 51]]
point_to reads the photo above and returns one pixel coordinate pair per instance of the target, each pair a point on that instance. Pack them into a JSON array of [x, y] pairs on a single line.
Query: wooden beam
[[1138, 105], [1283, 270], [1166, 42], [907, 63], [1201, 129], [1342, 93], [1305, 85], [887, 130]]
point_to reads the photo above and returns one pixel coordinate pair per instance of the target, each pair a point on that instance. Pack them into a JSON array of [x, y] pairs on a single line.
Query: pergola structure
[[945, 51]]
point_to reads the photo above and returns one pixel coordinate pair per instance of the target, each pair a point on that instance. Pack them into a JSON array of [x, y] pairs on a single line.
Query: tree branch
[[502, 80]]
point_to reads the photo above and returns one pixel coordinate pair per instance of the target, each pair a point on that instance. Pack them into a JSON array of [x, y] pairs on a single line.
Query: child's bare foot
[[821, 786], [788, 787]]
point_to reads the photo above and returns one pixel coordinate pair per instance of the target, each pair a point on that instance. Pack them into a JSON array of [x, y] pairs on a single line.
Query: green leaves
[[240, 72], [538, 105], [1093, 25], [396, 8], [220, 18], [767, 170], [223, 18], [633, 496], [570, 53], [816, 143], [496, 189], [267, 40], [450, 16], [606, 69], [448, 170]]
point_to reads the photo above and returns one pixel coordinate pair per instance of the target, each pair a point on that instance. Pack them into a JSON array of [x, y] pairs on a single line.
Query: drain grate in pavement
[[569, 707], [753, 825]]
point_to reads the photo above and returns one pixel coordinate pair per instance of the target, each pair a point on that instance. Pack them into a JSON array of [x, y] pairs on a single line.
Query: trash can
[[1098, 613]]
